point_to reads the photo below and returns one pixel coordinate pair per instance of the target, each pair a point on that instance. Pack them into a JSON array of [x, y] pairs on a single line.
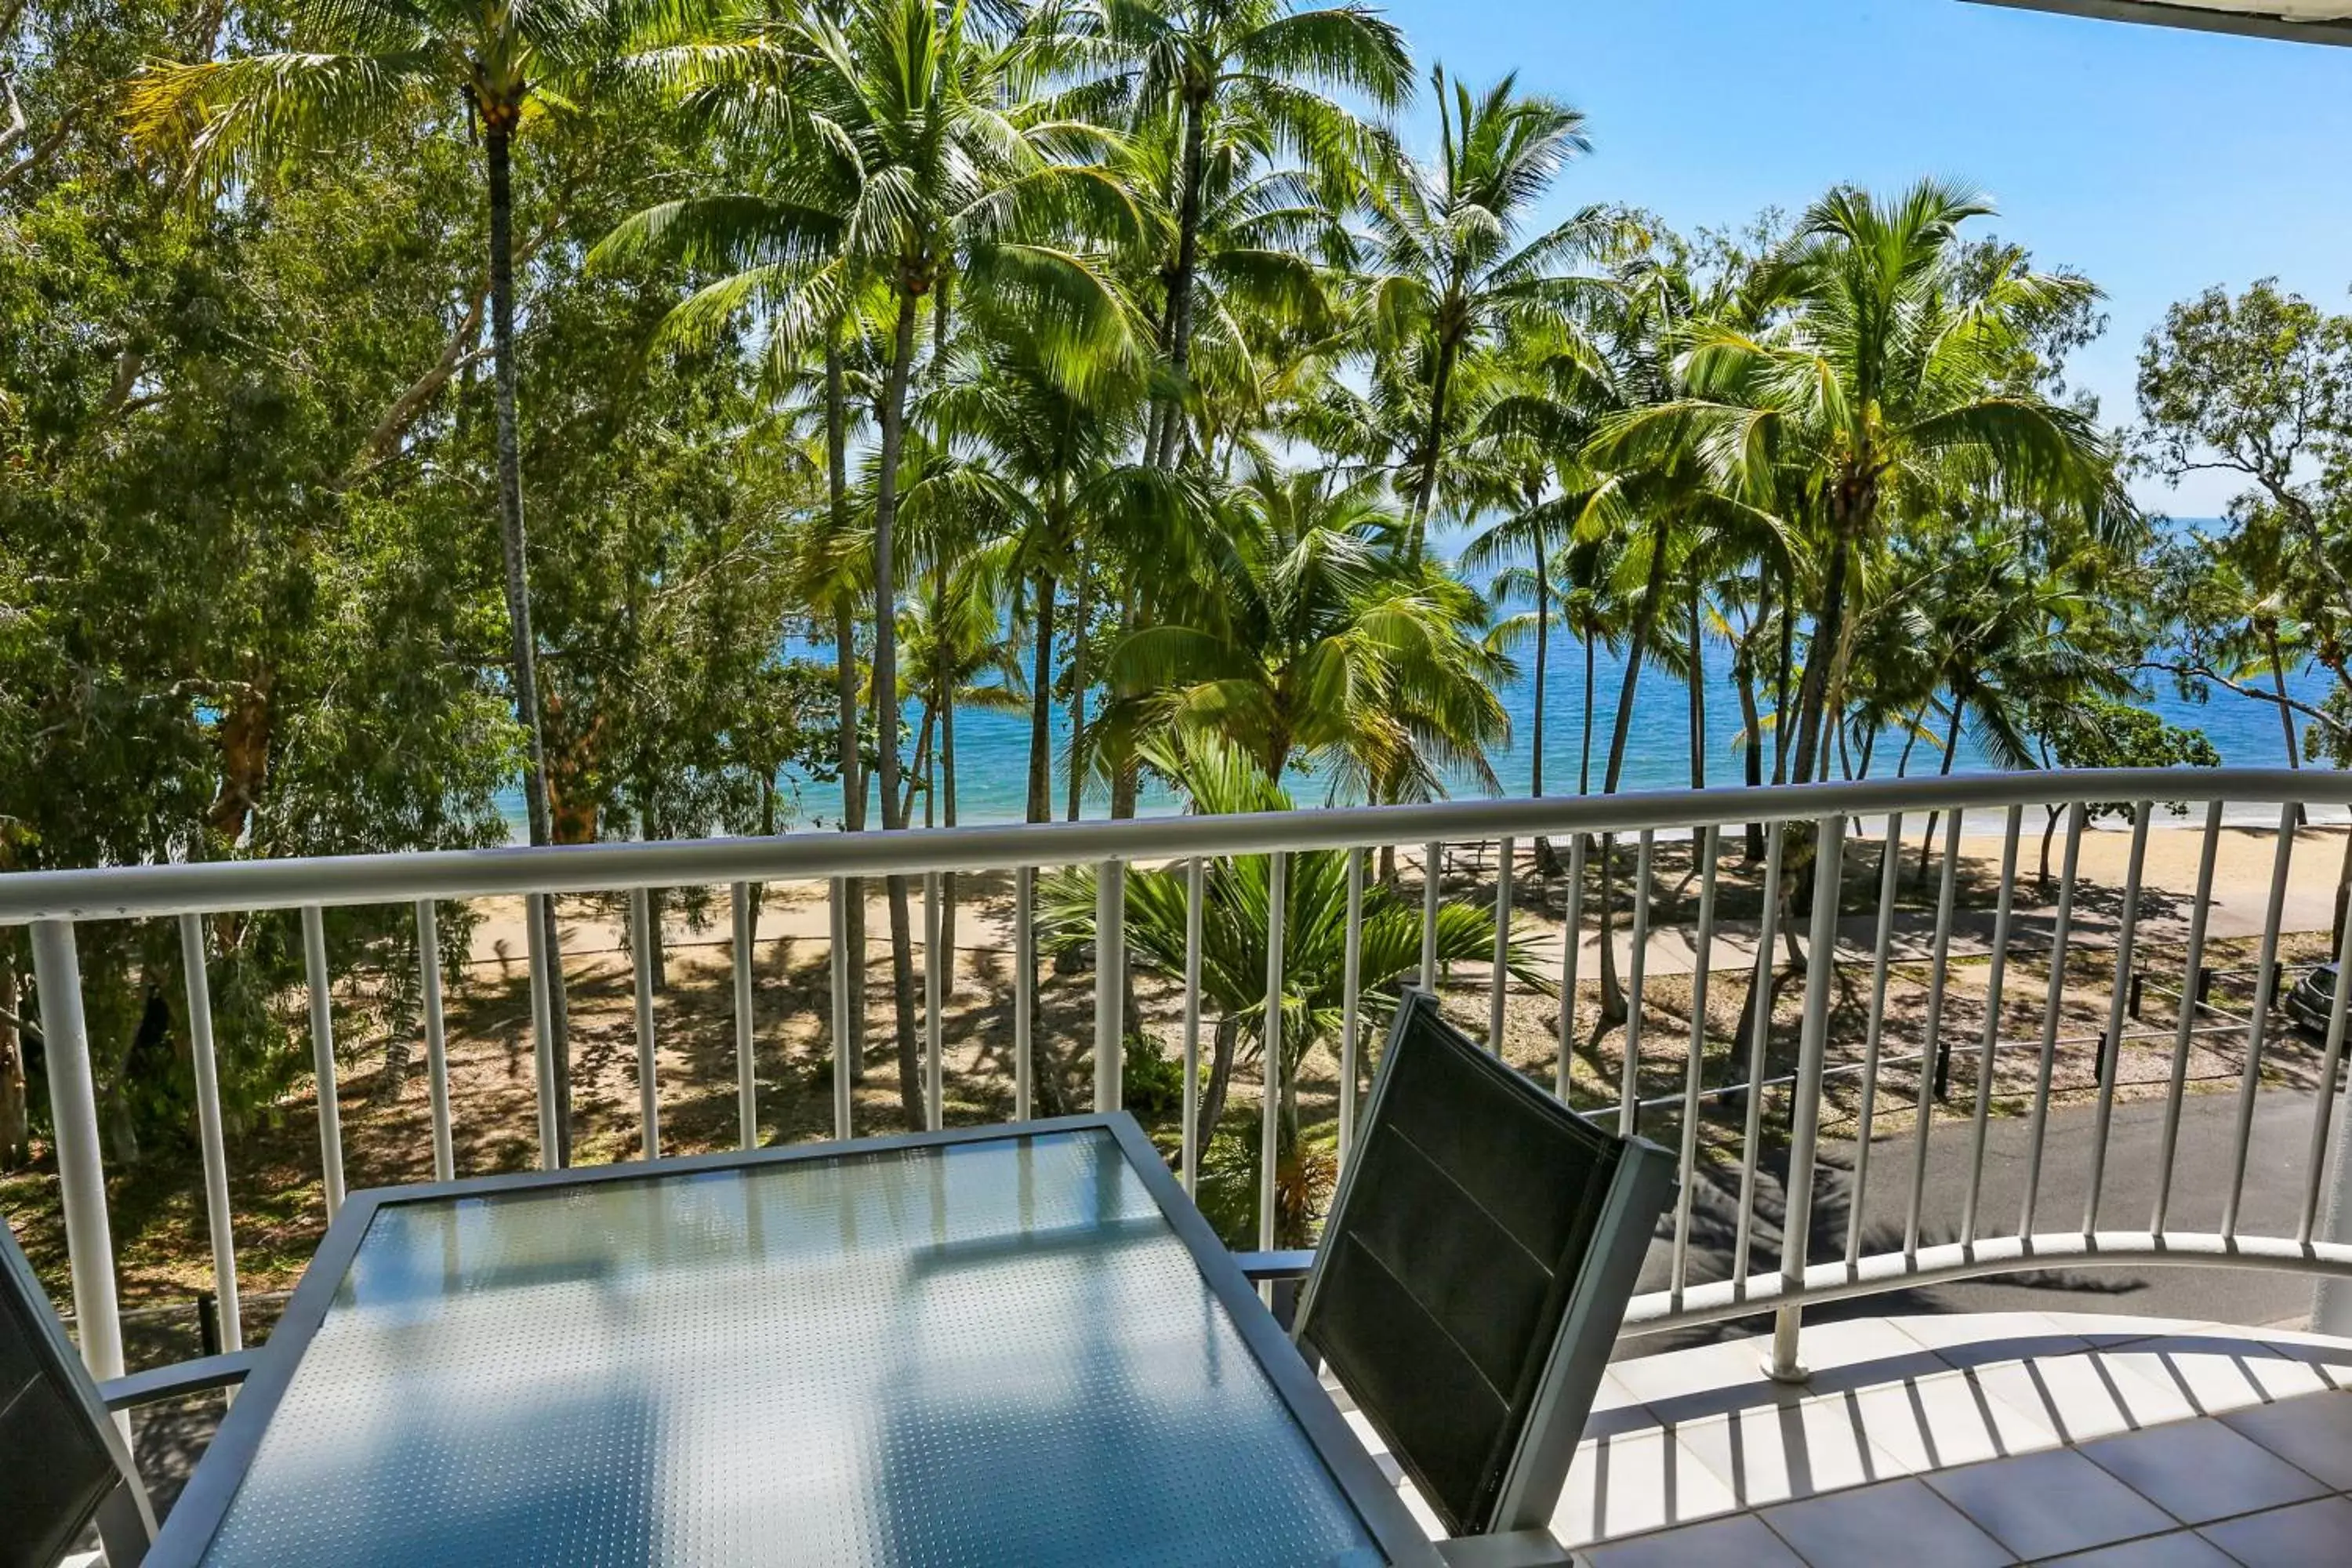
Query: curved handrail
[[120, 892]]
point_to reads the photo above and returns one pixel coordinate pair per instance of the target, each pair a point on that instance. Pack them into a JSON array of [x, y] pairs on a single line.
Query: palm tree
[[1451, 273], [922, 162], [1892, 369], [1307, 639], [1218, 777], [353, 66], [1201, 66]]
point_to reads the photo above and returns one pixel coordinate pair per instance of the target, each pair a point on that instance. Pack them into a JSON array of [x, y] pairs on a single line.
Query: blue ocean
[[992, 748]]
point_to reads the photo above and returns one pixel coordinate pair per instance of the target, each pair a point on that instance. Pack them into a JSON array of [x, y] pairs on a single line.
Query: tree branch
[[2206, 672]]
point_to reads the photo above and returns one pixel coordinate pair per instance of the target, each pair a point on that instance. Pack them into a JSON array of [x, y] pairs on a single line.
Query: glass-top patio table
[[1017, 1345]]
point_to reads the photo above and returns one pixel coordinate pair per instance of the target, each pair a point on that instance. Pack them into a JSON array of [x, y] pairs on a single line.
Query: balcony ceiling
[[2306, 21]]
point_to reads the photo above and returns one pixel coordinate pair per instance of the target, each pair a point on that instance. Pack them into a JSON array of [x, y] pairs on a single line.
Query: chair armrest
[[179, 1378], [1260, 1267]]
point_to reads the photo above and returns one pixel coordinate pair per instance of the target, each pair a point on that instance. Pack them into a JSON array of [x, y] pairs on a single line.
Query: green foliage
[[1151, 1082]]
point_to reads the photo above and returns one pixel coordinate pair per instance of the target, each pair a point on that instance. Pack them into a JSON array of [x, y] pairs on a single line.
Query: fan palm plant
[[1217, 778]]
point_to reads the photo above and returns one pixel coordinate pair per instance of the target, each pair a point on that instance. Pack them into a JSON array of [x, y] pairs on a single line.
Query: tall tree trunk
[[1751, 723], [2286, 713], [1697, 697], [1584, 742], [1614, 1007], [1180, 285], [1425, 489], [499, 121], [1084, 611], [1787, 640], [886, 695], [849, 757], [1126, 773], [1543, 668], [1222, 1043], [1951, 745], [1041, 702], [1828, 631], [15, 1123]]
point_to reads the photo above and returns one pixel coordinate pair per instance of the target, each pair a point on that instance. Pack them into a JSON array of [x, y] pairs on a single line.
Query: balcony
[[2029, 1172]]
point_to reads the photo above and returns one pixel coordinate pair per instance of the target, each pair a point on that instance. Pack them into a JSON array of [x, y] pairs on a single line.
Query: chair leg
[[125, 1526]]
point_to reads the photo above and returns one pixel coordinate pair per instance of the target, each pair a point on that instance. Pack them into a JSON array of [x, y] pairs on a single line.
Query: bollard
[[2138, 985]]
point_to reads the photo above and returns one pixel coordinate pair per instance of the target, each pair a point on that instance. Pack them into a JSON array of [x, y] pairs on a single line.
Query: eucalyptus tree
[[1889, 370], [351, 67], [1451, 270], [1198, 66]]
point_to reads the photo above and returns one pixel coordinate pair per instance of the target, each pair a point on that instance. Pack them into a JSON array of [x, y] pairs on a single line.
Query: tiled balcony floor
[[1965, 1439]]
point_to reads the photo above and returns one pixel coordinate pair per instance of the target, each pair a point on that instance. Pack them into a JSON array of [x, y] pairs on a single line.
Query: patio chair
[[1474, 1272], [64, 1463]]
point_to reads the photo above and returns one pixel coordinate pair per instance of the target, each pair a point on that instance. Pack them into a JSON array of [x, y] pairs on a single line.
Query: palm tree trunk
[[1543, 665], [1425, 492], [1040, 703], [1813, 696], [844, 668], [1751, 723], [1584, 742], [1780, 675], [886, 696], [2287, 714], [1180, 285], [499, 121], [1951, 744], [1221, 1076], [1698, 699], [1612, 990], [1083, 610]]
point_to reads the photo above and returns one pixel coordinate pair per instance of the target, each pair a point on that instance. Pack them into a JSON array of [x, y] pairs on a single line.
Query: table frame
[[197, 1517]]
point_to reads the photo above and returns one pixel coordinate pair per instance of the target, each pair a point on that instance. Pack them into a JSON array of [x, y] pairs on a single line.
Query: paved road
[[2272, 1204]]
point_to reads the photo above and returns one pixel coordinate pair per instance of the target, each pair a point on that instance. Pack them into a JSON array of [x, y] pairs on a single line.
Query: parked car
[[2308, 1003]]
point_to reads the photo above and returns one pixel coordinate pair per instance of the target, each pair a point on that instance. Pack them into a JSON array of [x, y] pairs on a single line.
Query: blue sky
[[2157, 161]]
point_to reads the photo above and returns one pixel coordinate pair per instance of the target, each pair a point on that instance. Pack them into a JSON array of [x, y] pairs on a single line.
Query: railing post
[[81, 1173], [206, 1068], [642, 937], [1110, 975], [1821, 963], [1277, 910], [542, 1028], [2331, 1304], [437, 1041], [322, 1056]]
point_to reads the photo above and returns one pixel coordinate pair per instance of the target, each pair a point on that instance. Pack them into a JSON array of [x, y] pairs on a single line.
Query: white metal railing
[[1797, 820]]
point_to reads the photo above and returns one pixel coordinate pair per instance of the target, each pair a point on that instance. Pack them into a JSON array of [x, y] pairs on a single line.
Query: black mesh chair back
[[62, 1461], [1475, 1270]]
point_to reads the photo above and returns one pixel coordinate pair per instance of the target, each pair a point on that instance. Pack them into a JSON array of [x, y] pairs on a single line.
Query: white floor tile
[[1621, 1486], [2078, 1397], [1935, 1423], [2218, 1375], [1769, 1454]]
